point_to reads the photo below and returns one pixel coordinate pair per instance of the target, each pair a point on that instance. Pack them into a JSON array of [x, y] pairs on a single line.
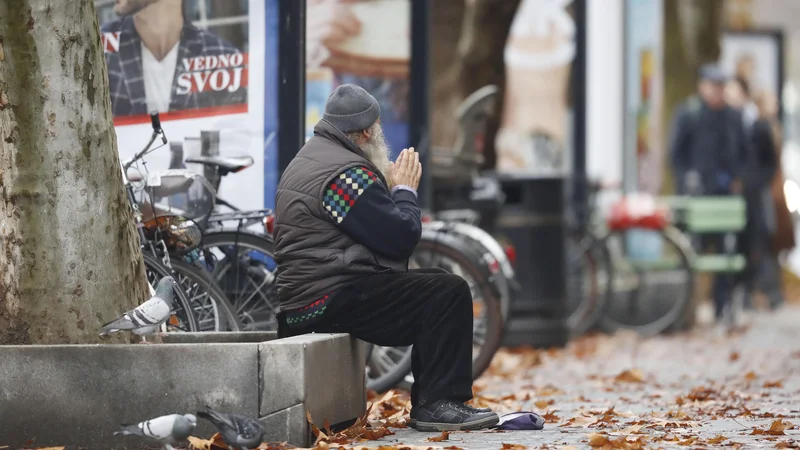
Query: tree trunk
[[70, 257], [479, 61]]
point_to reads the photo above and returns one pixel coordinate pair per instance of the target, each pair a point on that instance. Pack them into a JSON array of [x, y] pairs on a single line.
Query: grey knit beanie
[[350, 108]]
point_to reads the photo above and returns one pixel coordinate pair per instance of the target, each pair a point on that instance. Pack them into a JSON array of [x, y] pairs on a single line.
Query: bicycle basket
[[176, 192], [180, 235]]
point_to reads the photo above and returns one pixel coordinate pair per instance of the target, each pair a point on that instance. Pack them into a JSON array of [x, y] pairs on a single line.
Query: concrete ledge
[[288, 425], [322, 372], [79, 394], [220, 337]]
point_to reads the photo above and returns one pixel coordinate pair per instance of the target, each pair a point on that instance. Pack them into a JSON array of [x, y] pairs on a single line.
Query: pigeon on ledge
[[146, 318], [167, 430], [239, 432]]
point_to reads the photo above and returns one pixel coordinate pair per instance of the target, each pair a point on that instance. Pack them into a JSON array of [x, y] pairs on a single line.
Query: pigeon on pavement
[[146, 318], [237, 431], [168, 430]]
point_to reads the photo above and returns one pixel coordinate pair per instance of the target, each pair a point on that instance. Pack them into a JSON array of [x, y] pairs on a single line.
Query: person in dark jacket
[[761, 169], [346, 222], [709, 152]]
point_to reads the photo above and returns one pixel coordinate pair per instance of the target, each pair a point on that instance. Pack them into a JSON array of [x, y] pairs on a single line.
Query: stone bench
[[79, 394]]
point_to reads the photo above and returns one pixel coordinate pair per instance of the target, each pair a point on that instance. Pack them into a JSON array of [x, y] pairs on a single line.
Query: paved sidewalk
[[695, 390]]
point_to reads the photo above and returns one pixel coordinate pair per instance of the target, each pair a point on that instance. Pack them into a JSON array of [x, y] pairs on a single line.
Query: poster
[[756, 57], [535, 133], [203, 65], [644, 84], [363, 42]]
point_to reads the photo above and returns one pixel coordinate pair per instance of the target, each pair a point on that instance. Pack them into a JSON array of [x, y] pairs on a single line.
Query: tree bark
[[70, 257], [479, 61]]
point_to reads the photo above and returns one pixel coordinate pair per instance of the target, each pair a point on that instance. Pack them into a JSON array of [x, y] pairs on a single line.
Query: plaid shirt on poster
[[126, 81]]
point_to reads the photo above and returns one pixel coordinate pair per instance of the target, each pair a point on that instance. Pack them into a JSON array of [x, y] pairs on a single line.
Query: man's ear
[[365, 135]]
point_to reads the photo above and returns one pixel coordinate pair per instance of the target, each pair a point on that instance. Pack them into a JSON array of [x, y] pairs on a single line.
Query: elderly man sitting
[[346, 222]]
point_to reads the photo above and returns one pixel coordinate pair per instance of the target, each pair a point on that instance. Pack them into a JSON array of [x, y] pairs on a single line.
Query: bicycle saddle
[[226, 163]]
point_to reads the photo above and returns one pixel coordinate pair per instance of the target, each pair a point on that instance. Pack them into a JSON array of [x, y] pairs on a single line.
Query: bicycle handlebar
[[155, 121]]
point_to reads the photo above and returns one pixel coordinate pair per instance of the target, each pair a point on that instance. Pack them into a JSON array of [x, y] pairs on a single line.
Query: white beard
[[377, 150]]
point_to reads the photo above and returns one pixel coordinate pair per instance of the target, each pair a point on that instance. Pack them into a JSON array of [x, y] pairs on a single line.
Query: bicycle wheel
[[451, 253], [652, 289], [243, 265], [485, 242], [182, 318], [210, 304], [589, 271]]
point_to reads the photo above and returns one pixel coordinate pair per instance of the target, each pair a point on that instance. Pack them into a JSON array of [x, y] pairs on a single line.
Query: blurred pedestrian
[[708, 148], [761, 168], [778, 220]]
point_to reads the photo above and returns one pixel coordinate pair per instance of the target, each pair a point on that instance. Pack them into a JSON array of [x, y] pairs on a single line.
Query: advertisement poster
[[756, 57], [362, 42], [202, 65], [535, 133], [643, 155]]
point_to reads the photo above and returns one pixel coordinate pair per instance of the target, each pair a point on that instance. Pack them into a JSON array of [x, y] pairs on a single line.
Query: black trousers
[[427, 308]]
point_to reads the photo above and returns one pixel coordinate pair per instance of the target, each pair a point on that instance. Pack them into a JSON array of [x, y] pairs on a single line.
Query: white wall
[[604, 84]]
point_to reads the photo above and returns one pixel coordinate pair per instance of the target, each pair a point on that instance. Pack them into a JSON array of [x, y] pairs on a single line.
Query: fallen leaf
[[688, 442], [630, 376], [440, 438], [776, 428], [542, 404], [633, 429], [773, 384], [580, 421], [734, 356], [513, 447], [750, 376], [453, 447], [550, 416], [598, 440], [718, 439], [2, 57], [206, 444]]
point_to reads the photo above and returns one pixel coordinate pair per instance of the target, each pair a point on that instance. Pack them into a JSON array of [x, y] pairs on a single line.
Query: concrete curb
[[79, 394]]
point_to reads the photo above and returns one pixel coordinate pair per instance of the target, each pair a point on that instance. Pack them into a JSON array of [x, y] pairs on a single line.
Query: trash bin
[[533, 220]]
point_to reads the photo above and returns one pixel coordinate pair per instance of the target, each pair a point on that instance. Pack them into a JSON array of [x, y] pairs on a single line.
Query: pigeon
[[168, 430], [146, 318], [237, 431]]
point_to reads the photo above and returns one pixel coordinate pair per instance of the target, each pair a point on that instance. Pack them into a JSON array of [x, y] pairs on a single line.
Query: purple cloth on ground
[[519, 421]]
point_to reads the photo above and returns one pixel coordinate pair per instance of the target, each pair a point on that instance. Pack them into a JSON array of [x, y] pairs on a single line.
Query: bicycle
[[626, 283], [239, 258], [590, 268], [169, 238], [641, 301]]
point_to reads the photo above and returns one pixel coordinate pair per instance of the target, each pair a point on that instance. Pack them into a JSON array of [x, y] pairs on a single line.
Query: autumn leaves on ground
[[694, 390]]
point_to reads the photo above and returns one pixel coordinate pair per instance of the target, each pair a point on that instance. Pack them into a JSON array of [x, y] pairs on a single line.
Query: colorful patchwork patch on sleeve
[[345, 189]]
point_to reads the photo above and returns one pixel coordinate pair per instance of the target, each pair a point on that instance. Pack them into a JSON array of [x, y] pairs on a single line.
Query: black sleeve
[[679, 147], [765, 152], [363, 208]]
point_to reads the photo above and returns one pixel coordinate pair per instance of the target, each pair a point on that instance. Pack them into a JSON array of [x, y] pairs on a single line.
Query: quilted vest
[[315, 257]]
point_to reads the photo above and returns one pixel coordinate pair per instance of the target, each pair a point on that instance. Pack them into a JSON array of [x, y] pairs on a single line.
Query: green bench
[[697, 216]]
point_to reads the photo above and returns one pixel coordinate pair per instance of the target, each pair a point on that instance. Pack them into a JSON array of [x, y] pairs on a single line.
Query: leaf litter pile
[[609, 392]]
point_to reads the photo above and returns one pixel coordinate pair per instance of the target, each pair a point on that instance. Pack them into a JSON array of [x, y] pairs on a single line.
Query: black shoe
[[447, 415]]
